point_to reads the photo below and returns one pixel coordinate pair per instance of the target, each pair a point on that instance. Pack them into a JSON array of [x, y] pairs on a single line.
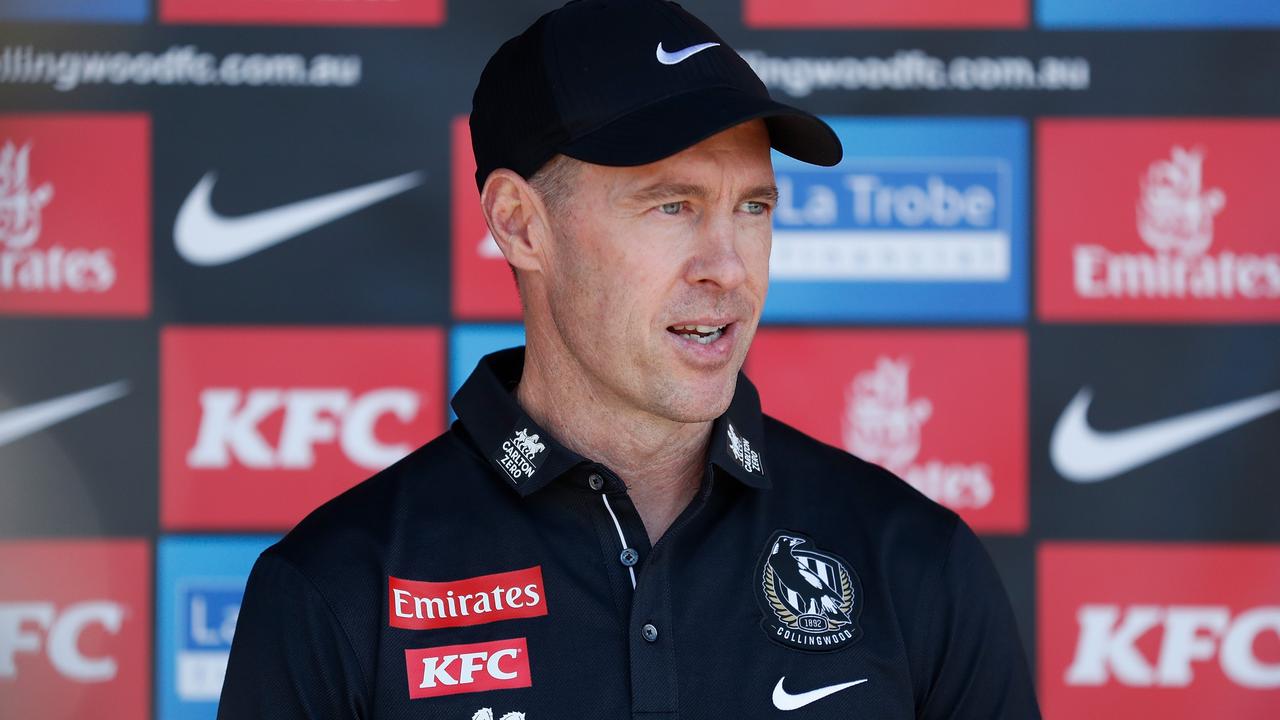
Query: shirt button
[[595, 481], [630, 557], [649, 632]]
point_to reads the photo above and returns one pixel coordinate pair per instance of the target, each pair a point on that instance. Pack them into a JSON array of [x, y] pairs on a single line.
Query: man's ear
[[517, 218]]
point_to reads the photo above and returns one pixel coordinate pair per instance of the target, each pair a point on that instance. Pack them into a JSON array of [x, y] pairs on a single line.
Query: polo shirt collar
[[528, 457]]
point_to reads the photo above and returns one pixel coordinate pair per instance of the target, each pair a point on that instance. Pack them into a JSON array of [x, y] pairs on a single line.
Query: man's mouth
[[702, 334]]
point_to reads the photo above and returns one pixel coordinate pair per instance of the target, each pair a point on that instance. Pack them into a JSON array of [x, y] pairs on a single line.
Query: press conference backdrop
[[242, 268]]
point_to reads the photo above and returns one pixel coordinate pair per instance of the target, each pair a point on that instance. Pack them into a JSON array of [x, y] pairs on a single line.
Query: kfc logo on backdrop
[[262, 425], [1176, 631], [418, 605], [74, 628], [454, 669], [1158, 220], [75, 227], [944, 410], [414, 13], [885, 13], [483, 288]]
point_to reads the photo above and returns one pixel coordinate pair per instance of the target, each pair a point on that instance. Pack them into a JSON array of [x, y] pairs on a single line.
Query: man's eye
[[671, 208], [755, 208]]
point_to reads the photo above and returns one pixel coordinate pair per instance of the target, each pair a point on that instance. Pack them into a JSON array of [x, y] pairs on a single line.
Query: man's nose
[[716, 258]]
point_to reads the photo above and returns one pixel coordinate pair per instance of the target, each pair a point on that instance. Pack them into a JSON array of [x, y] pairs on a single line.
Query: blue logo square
[[924, 220], [199, 584]]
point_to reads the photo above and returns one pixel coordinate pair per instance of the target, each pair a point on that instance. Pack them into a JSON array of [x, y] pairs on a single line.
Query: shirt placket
[[640, 575]]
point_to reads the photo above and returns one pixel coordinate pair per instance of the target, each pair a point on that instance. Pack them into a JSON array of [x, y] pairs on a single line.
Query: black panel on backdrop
[[78, 448], [1118, 475]]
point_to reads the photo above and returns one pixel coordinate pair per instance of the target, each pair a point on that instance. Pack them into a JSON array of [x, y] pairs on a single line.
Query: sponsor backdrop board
[[242, 267]]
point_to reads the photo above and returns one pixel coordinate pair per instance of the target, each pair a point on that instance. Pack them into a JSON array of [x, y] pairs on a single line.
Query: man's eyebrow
[[765, 192], [664, 190]]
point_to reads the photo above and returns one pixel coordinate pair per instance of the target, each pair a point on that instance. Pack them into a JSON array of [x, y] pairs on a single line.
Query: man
[[612, 529]]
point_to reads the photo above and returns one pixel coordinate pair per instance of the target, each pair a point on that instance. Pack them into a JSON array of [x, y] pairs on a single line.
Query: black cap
[[624, 82]]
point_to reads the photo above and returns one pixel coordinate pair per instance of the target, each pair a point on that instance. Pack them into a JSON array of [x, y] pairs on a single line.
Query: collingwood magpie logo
[[521, 455], [810, 599]]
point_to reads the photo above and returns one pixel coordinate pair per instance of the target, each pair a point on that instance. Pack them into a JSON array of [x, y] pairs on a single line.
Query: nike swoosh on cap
[[784, 700], [203, 237], [679, 56], [19, 422], [1081, 454]]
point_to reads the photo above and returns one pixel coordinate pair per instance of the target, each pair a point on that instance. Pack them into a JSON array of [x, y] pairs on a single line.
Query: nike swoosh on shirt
[[19, 422], [203, 237], [679, 56], [1082, 454], [784, 700]]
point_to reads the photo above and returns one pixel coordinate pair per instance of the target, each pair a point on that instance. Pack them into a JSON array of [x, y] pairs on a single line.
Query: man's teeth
[[704, 334]]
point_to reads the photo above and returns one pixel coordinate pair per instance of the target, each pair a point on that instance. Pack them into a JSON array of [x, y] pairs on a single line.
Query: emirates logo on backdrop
[[906, 400], [883, 424], [74, 215], [1136, 223]]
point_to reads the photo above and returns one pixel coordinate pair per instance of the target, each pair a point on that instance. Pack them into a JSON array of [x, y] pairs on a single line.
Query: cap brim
[[664, 128]]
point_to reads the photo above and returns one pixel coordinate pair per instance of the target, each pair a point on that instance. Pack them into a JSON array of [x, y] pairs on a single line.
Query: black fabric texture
[[936, 638]]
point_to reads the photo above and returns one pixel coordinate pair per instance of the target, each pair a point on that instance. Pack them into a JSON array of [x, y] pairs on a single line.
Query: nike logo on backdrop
[[20, 422], [1082, 454], [784, 700], [679, 56], [203, 237]]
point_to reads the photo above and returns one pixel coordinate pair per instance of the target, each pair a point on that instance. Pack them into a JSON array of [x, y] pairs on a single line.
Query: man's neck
[[660, 461]]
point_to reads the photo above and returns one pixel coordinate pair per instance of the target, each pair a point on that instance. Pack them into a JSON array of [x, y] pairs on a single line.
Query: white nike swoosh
[[679, 56], [1082, 454], [784, 700], [203, 237], [22, 421]]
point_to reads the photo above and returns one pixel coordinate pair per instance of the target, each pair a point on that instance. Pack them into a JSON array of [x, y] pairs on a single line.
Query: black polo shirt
[[493, 573]]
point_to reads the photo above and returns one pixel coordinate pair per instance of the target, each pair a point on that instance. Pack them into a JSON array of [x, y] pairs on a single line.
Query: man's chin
[[700, 401]]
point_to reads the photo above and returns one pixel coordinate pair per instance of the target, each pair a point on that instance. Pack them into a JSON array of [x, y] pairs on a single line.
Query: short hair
[[554, 184]]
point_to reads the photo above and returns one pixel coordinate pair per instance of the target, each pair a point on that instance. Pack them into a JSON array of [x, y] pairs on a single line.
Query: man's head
[[623, 157]]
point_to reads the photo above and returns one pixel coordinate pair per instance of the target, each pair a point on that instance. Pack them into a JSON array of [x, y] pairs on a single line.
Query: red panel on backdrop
[[305, 12], [1174, 631], [261, 425], [885, 13], [945, 410], [75, 629], [483, 288], [1158, 220], [75, 214]]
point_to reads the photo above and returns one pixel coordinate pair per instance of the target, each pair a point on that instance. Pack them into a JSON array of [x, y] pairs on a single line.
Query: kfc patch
[[454, 669], [811, 599]]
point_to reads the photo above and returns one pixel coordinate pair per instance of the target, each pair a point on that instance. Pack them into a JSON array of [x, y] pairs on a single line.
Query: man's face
[[658, 273]]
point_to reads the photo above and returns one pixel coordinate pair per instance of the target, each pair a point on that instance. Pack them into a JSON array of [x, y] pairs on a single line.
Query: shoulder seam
[[346, 635]]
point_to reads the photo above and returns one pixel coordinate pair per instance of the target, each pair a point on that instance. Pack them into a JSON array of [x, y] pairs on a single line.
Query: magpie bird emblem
[[810, 598]]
